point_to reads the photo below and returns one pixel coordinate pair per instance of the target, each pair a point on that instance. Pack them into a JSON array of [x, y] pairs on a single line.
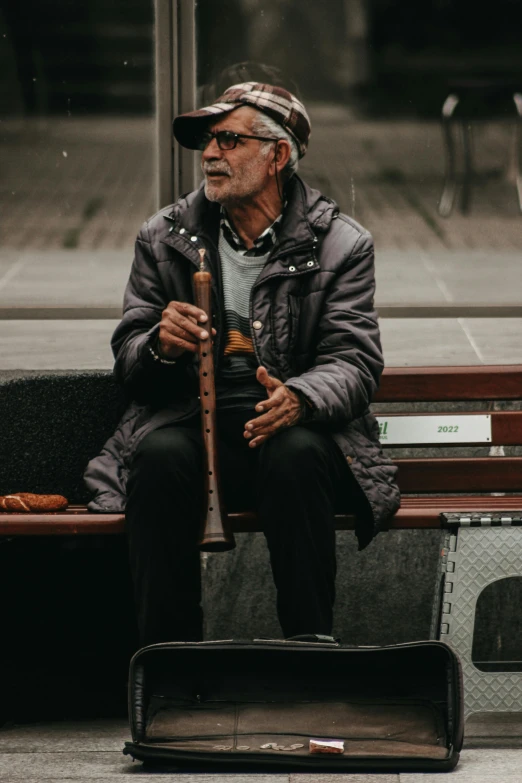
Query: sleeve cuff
[[150, 356], [307, 409]]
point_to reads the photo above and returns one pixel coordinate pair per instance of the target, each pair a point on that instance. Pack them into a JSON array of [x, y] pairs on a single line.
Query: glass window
[[440, 199], [79, 170], [78, 173]]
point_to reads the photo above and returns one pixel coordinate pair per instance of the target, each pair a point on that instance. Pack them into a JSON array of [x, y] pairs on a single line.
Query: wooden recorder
[[216, 534]]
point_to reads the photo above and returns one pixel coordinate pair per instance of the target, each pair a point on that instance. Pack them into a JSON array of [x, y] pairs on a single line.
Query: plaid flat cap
[[276, 102]]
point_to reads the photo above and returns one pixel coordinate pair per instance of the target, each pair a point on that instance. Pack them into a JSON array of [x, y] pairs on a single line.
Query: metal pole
[[175, 36], [164, 36], [187, 76]]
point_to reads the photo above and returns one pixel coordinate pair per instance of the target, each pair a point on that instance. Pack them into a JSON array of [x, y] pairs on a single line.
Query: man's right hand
[[179, 330]]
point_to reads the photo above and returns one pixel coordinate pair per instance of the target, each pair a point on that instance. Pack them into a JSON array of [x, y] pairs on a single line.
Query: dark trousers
[[296, 481]]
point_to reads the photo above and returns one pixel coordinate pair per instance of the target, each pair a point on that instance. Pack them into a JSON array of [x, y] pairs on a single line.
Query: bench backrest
[[53, 423], [487, 427]]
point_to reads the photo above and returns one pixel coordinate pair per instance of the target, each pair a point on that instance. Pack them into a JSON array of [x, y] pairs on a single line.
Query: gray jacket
[[319, 335]]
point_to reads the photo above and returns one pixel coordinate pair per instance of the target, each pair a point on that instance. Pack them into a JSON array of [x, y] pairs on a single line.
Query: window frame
[[175, 91]]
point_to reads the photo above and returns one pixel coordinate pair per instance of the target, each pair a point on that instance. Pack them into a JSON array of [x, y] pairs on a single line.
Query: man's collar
[[264, 242], [201, 217]]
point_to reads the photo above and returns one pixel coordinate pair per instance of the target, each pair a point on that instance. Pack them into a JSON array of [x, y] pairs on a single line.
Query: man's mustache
[[208, 168]]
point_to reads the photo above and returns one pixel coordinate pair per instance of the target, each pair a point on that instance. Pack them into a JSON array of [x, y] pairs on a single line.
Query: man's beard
[[235, 187]]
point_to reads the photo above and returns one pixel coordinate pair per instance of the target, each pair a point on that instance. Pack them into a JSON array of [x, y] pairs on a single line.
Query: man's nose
[[212, 151]]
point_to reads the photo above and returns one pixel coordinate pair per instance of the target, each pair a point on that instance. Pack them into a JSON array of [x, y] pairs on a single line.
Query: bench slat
[[464, 502], [415, 512], [466, 474], [432, 384], [61, 523]]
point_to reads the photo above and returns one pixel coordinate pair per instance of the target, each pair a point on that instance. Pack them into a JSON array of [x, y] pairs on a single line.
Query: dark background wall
[[98, 56], [75, 57], [395, 58]]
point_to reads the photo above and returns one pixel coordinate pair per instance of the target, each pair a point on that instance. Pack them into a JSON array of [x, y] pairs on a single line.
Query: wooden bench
[[431, 486], [435, 489]]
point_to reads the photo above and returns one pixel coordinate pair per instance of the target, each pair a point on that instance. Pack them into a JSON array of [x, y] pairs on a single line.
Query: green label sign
[[432, 428]]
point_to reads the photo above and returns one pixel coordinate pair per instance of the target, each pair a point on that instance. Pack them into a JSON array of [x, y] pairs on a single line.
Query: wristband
[[158, 358]]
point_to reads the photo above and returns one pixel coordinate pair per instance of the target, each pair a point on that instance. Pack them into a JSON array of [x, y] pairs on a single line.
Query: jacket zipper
[[385, 763], [291, 318]]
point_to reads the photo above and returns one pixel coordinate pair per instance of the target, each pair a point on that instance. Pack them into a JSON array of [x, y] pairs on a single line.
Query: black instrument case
[[214, 705]]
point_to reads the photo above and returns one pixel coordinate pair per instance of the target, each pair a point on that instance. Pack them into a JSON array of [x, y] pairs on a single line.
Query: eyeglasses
[[227, 140]]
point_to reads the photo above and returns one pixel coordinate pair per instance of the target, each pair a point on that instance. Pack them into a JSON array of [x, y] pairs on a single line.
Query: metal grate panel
[[474, 558]]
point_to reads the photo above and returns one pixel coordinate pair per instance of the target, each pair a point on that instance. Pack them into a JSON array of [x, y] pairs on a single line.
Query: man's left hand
[[282, 409]]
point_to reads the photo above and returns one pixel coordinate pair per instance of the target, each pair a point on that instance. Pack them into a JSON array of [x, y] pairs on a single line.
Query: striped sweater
[[239, 274]]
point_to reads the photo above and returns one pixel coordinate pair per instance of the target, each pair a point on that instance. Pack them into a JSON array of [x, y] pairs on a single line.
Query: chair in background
[[468, 101]]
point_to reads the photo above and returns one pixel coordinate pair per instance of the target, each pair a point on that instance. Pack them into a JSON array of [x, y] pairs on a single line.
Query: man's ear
[[282, 154]]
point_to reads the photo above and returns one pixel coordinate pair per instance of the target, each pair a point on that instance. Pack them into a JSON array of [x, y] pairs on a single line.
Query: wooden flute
[[216, 533]]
